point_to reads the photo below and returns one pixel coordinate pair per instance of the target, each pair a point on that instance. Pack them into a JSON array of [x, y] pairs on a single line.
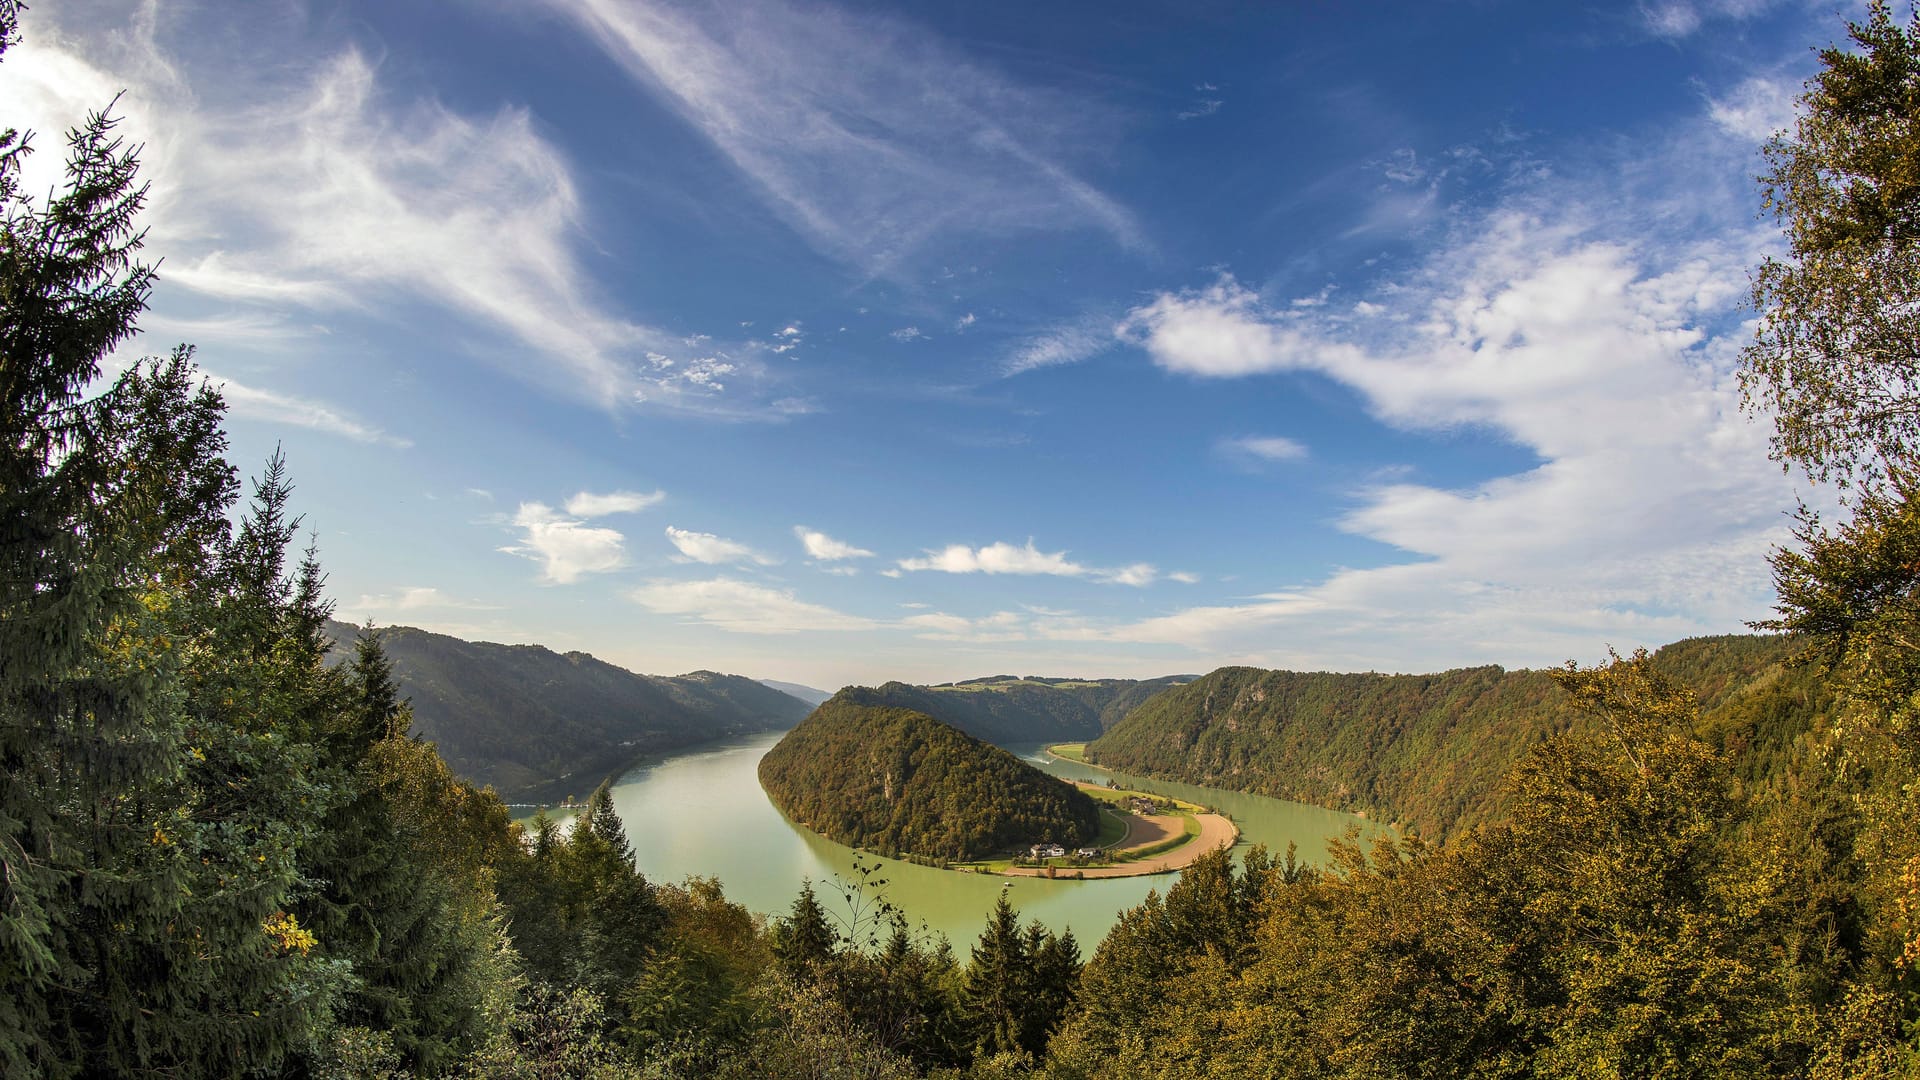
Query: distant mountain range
[[805, 693], [539, 725]]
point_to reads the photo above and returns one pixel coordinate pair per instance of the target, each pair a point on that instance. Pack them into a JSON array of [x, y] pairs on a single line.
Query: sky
[[839, 343]]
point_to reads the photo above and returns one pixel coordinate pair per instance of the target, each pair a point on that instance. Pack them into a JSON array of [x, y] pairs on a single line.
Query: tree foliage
[[1837, 355], [897, 781]]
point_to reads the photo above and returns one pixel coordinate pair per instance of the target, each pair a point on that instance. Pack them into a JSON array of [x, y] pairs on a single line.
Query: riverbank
[[1161, 835]]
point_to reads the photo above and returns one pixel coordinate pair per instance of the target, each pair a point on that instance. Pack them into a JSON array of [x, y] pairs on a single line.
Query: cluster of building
[[1055, 851]]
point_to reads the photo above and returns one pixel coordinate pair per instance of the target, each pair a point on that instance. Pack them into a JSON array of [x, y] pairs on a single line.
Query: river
[[704, 813]]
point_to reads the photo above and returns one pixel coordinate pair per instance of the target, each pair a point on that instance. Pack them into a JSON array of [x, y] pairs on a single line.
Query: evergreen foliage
[[893, 780]]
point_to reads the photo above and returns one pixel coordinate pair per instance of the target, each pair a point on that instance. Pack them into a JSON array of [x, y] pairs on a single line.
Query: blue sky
[[840, 343]]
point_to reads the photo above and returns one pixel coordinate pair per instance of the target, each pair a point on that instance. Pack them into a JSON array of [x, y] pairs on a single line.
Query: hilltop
[[895, 780]]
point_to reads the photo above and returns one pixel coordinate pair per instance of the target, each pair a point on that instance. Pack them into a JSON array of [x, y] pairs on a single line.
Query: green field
[[1120, 795], [1071, 751]]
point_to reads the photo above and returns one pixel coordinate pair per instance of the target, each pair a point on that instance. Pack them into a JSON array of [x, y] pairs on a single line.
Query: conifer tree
[[997, 982], [803, 941]]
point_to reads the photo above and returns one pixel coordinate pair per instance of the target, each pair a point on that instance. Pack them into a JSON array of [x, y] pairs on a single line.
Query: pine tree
[[803, 941], [998, 982]]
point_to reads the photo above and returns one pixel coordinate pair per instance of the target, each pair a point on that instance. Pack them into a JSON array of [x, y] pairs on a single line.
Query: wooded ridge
[[893, 780], [538, 725]]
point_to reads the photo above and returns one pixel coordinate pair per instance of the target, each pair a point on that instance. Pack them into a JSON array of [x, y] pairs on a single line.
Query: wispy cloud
[[414, 598], [1757, 108], [1200, 108], [1004, 558], [1264, 448], [565, 547], [284, 184], [1684, 18], [859, 128], [1068, 343], [1597, 328], [714, 550], [266, 406], [587, 504], [744, 607], [825, 548]]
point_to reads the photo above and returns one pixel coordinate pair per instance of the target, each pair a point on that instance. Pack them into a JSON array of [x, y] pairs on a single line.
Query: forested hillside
[[1009, 711], [1428, 751], [536, 724], [895, 780]]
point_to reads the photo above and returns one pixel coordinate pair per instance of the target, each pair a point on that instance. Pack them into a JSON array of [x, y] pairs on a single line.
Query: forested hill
[[1009, 711], [537, 724], [894, 780], [1428, 751]]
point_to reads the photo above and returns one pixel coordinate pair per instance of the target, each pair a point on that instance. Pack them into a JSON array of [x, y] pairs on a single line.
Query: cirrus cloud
[[743, 607]]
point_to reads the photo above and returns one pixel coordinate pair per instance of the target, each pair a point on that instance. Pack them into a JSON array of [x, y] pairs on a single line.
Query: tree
[[1837, 359], [1837, 354], [997, 982], [803, 941]]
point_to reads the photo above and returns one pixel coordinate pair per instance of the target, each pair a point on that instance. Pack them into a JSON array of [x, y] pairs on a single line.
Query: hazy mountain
[[537, 724], [805, 693]]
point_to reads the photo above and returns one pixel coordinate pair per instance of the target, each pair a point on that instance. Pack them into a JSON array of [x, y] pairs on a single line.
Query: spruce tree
[[997, 982]]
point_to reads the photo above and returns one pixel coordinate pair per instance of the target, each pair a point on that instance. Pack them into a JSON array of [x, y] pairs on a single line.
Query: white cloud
[[1586, 326], [996, 558], [939, 626], [566, 548], [587, 504], [1683, 18], [1266, 447], [965, 321], [1004, 558], [859, 128], [1757, 108], [1138, 575], [825, 548], [281, 184], [416, 598], [714, 550], [1067, 344], [743, 607], [249, 403], [1184, 577], [907, 333]]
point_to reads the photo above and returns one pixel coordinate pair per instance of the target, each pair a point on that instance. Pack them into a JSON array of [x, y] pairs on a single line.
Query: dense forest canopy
[[900, 782], [1008, 711]]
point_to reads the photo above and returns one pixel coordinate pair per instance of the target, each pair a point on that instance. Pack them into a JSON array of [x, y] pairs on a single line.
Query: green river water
[[703, 813]]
